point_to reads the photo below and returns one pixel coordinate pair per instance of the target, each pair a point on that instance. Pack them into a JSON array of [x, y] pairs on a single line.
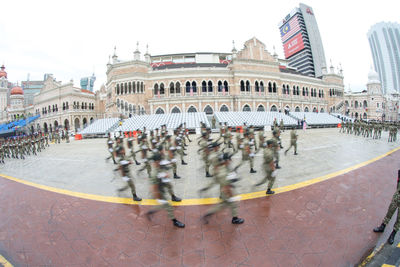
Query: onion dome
[[16, 90]]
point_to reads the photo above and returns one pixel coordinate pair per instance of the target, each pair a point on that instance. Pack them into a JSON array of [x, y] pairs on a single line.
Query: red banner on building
[[294, 45]]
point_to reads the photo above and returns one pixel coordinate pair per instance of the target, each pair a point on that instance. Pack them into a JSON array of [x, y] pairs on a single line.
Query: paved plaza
[[324, 224]]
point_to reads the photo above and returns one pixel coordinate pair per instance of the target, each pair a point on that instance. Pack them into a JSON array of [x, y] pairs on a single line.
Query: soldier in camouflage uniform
[[247, 154], [131, 147], [159, 178], [269, 167], [225, 179], [394, 205], [276, 146], [123, 167], [293, 141]]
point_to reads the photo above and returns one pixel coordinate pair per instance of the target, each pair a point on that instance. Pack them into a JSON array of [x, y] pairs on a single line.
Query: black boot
[[208, 174], [175, 198], [183, 162], [252, 170], [236, 220], [277, 166], [295, 153], [380, 228], [137, 163], [178, 223], [391, 237], [269, 192], [136, 198], [176, 176]]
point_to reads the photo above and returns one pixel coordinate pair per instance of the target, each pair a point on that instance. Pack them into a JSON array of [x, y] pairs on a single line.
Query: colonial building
[[247, 80], [4, 88], [64, 105], [372, 103]]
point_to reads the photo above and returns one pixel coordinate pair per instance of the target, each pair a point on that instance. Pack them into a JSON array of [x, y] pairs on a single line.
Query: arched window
[[159, 111], [306, 91], [171, 88], [226, 87], [274, 109], [220, 86], [175, 110], [142, 90], [297, 109], [356, 104], [187, 87], [274, 90], [203, 87], [294, 90], [156, 91], [256, 87], [178, 88], [306, 109], [192, 109], [283, 89], [117, 89], [297, 90], [260, 108], [194, 87], [262, 89], [242, 89], [117, 102], [314, 109], [365, 103], [162, 89], [246, 108], [208, 110], [122, 105], [134, 87], [269, 87], [210, 86], [122, 88], [303, 92], [247, 86], [126, 88], [133, 109], [224, 108], [129, 87], [322, 110]]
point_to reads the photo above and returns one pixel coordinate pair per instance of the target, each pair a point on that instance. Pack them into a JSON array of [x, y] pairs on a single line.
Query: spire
[[234, 51], [332, 69], [147, 55], [115, 57], [136, 54]]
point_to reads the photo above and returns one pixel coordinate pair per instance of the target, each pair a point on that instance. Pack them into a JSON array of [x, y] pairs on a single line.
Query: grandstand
[[11, 127], [257, 119], [172, 120], [100, 127], [317, 119]]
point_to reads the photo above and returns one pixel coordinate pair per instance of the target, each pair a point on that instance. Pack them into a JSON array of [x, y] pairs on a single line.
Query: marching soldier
[[132, 149], [293, 141], [247, 154], [269, 167], [276, 146], [160, 179], [394, 205], [225, 180], [213, 121], [123, 167], [281, 126]]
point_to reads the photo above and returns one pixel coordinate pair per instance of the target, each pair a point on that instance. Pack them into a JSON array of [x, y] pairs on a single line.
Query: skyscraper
[[302, 42], [384, 40], [88, 82]]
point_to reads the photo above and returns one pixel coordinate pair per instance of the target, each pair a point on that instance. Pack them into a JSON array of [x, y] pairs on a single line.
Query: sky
[[72, 39]]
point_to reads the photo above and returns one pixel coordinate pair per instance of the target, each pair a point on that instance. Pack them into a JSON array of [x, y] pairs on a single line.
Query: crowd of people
[[18, 147], [160, 152], [372, 129]]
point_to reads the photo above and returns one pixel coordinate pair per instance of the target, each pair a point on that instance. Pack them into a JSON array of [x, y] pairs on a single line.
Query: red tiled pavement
[[325, 224]]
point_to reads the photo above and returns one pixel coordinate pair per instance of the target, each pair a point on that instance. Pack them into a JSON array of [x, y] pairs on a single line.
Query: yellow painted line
[[398, 245], [388, 265], [198, 201], [5, 262], [370, 256]]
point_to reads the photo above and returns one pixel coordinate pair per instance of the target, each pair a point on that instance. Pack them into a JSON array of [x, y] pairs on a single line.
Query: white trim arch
[[176, 109]]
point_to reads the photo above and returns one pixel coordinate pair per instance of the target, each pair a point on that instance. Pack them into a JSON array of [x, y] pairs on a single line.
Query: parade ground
[[62, 208]]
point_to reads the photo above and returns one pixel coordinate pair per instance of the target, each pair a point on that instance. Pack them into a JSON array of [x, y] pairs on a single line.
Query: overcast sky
[[71, 39]]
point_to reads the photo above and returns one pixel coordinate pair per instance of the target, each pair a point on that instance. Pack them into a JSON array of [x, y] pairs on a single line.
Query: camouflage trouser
[[169, 188], [268, 177], [225, 203], [180, 152], [130, 185], [246, 158], [394, 205], [133, 155], [276, 157], [292, 144], [174, 167], [207, 164]]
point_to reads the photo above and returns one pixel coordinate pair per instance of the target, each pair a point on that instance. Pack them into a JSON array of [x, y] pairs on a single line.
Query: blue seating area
[[11, 126]]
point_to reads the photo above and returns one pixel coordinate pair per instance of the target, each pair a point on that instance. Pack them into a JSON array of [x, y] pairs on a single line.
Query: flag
[[290, 28]]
